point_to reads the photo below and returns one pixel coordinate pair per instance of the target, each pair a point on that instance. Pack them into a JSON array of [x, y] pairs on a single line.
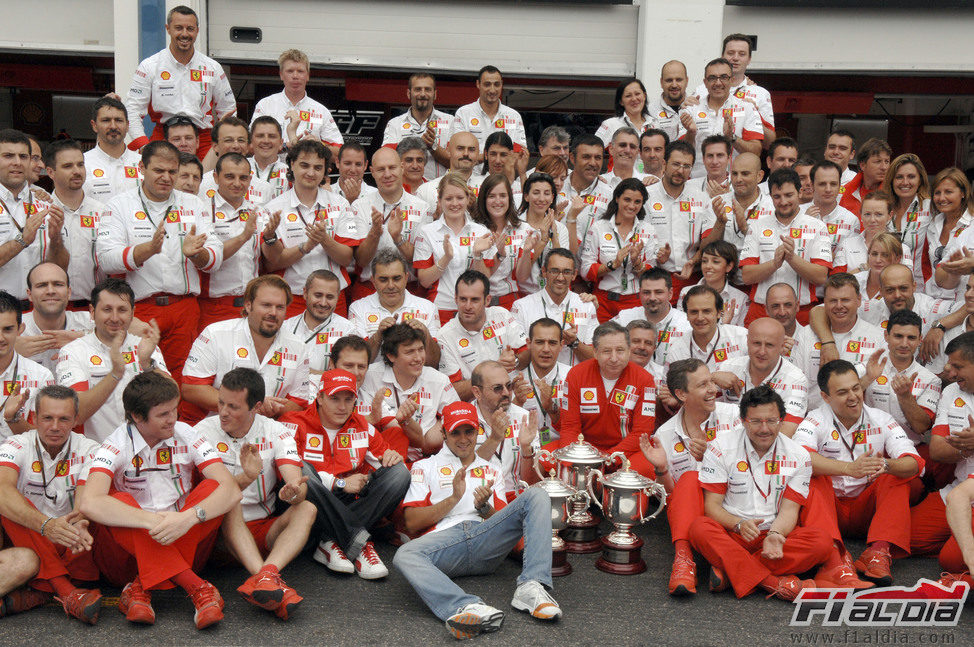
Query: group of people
[[206, 344]]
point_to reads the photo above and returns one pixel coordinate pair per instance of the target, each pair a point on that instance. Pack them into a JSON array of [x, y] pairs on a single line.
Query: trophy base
[[559, 562], [621, 559], [582, 537]]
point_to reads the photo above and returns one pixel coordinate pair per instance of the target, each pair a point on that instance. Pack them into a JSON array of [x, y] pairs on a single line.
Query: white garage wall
[[82, 26]]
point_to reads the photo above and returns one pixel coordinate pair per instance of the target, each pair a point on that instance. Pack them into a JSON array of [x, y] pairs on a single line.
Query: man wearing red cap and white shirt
[[862, 462], [161, 239], [179, 81], [110, 167], [422, 120], [487, 114], [257, 340], [356, 479], [299, 115], [609, 399], [456, 500], [140, 488]]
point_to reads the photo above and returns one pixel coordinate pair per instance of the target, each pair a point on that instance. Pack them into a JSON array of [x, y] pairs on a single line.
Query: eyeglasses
[[723, 78], [467, 431], [500, 388], [555, 272], [685, 167], [758, 423]]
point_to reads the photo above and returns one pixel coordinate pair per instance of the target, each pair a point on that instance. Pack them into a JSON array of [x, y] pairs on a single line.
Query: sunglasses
[[500, 388]]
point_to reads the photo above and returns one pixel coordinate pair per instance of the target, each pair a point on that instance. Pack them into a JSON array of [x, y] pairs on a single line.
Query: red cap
[[459, 413], [337, 380]]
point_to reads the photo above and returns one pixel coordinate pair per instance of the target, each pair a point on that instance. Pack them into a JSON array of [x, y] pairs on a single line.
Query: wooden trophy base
[[559, 562], [582, 538], [621, 559]]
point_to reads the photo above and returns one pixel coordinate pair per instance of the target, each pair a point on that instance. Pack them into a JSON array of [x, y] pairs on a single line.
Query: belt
[[614, 296], [164, 299], [80, 303], [495, 300]]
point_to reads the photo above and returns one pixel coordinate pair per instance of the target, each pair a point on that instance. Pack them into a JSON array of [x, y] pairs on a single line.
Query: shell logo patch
[[163, 456], [196, 75], [222, 447], [165, 76], [136, 462], [662, 114], [98, 172], [464, 343], [292, 217], [220, 215], [131, 172], [771, 467], [818, 345], [882, 379], [959, 403], [446, 470], [35, 467], [242, 352], [95, 360], [884, 324], [835, 434], [588, 395], [852, 346], [314, 442], [657, 206], [702, 115], [678, 447], [387, 392], [140, 215], [373, 318], [741, 466], [405, 126], [474, 122], [767, 233], [608, 237]]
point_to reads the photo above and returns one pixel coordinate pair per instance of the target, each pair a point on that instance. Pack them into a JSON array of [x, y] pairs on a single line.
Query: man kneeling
[[755, 484], [457, 498]]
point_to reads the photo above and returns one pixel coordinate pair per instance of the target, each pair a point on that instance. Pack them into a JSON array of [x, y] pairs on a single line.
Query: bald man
[[746, 203], [390, 216], [765, 365], [464, 152], [665, 108], [898, 289]]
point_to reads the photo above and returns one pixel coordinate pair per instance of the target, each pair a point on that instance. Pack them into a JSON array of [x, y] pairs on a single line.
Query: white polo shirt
[[14, 211], [925, 390], [939, 362], [812, 244], [785, 378], [609, 127], [429, 192], [432, 391], [749, 90], [41, 477], [915, 222], [572, 311], [274, 441], [665, 117], [226, 345], [159, 477], [596, 197], [730, 295], [507, 455], [876, 312], [85, 362], [613, 180], [875, 431], [319, 340], [760, 207], [682, 222], [726, 343], [366, 314], [710, 121], [724, 419], [31, 376], [107, 176], [79, 234], [462, 350], [432, 481], [855, 346], [952, 411], [934, 229], [73, 321], [315, 118], [602, 245], [840, 223], [162, 88], [471, 118], [228, 222], [428, 250], [134, 220], [413, 212], [670, 328], [406, 125], [258, 193], [272, 179], [340, 222], [555, 377], [753, 484]]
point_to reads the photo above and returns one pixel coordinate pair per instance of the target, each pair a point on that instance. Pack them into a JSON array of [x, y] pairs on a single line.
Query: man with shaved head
[[764, 364], [898, 289], [390, 216], [464, 152], [746, 202], [665, 108]]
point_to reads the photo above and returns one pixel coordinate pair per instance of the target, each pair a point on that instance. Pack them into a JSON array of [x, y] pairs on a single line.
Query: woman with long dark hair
[[538, 209], [495, 211]]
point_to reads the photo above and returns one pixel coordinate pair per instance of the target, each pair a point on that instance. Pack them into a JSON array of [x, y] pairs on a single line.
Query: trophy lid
[[555, 487], [580, 451], [626, 479]]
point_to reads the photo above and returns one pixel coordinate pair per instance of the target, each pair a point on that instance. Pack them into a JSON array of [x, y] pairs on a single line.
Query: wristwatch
[[270, 240], [340, 484], [939, 325], [200, 513], [611, 265], [20, 239]]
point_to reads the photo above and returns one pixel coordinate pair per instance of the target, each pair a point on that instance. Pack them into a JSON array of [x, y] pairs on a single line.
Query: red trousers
[[880, 512], [684, 505], [928, 525], [608, 308], [446, 316], [218, 309], [742, 561], [56, 560], [157, 563], [397, 439], [951, 559], [177, 325], [757, 311], [679, 284]]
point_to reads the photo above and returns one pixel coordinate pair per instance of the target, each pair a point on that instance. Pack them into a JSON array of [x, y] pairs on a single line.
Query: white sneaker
[[533, 598], [331, 555], [473, 619], [368, 565]]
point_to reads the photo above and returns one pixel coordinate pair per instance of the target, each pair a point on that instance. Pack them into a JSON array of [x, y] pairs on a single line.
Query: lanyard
[[28, 210], [625, 261], [165, 218], [317, 329], [712, 350], [534, 389], [62, 464], [659, 339], [317, 210], [15, 380], [747, 374], [774, 470], [850, 448], [238, 214]]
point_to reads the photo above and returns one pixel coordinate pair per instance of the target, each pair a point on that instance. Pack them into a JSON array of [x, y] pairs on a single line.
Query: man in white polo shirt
[[270, 172], [710, 341], [656, 293], [839, 221], [586, 162], [898, 289], [487, 114], [422, 120], [540, 386], [299, 115], [21, 377], [464, 151], [110, 167], [178, 80], [746, 203], [99, 365], [624, 151], [257, 341], [49, 326], [557, 301], [665, 108]]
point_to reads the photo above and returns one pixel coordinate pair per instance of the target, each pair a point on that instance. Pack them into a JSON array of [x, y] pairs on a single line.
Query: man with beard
[[110, 167], [656, 294], [898, 289], [665, 108], [464, 151], [422, 120], [255, 341], [541, 385], [319, 327]]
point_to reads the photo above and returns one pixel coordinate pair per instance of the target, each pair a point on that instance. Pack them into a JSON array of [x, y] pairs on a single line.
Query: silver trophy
[[563, 501]]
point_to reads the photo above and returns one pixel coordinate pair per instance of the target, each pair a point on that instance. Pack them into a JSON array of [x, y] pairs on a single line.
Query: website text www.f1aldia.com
[[876, 636]]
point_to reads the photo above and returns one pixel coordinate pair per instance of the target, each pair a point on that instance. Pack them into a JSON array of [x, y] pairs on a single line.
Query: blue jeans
[[477, 548]]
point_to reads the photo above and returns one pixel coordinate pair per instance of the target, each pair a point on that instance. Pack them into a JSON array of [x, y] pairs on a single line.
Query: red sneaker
[[289, 603], [21, 600], [842, 576], [874, 565], [136, 604], [262, 589], [683, 579], [718, 581], [948, 579], [209, 605], [83, 604], [788, 587]]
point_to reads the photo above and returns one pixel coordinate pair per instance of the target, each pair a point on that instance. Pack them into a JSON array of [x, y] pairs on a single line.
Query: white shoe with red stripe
[[368, 565], [331, 555]]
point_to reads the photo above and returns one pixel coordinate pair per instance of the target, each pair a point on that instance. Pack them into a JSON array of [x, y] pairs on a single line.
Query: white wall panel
[[83, 26]]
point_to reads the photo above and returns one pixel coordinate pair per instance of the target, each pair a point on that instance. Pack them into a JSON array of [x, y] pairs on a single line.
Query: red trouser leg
[[679, 284], [296, 306], [361, 289], [177, 325], [819, 509], [684, 505], [881, 512], [56, 560], [397, 439], [754, 312], [951, 559], [939, 474], [157, 563], [205, 142], [608, 308], [214, 310], [638, 463], [928, 525], [718, 547]]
